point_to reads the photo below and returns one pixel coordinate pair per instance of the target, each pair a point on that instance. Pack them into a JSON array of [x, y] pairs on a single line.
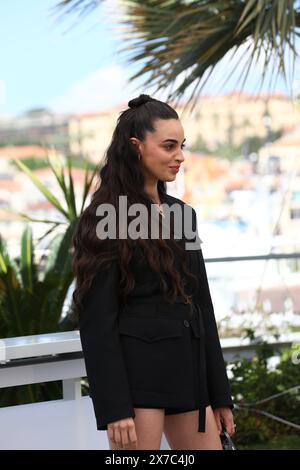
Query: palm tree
[[34, 294], [31, 302], [32, 299], [57, 273], [184, 40], [69, 210]]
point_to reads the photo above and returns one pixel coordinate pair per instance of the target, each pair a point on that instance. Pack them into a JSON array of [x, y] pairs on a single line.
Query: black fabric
[[150, 353]]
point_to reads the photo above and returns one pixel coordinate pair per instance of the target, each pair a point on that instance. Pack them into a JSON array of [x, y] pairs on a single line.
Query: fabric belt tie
[[202, 399]]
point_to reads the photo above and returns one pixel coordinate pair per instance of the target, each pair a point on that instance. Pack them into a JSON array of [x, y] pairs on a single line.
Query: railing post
[[72, 389]]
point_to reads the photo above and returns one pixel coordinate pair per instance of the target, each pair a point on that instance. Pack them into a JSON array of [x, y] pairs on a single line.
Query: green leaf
[[72, 200], [27, 259], [49, 196], [175, 41]]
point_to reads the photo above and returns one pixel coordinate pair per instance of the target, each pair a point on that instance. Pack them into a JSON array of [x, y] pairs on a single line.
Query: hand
[[225, 415], [122, 433]]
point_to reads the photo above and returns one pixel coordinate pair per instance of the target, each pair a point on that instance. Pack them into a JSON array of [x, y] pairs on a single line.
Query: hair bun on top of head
[[136, 102]]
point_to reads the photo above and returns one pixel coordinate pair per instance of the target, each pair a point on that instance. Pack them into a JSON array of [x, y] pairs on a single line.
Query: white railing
[[43, 358], [68, 423], [58, 356]]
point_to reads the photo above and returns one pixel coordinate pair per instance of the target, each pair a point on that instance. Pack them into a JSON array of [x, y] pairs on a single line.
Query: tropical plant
[[182, 41], [31, 302], [32, 298], [68, 209], [44, 291], [33, 293], [262, 392]]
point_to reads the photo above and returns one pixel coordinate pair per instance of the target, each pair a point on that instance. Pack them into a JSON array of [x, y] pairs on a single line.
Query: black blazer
[[142, 354]]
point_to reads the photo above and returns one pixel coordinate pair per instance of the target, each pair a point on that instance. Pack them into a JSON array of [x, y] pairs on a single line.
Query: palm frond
[[80, 7], [27, 259], [42, 187], [88, 181], [183, 41], [66, 184], [10, 294], [27, 218], [174, 37], [83, 7]]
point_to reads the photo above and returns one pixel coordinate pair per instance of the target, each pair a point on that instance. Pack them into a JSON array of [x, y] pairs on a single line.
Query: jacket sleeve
[[106, 372], [217, 380]]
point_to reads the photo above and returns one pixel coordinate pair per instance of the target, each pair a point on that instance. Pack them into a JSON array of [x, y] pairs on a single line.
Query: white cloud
[[106, 87]]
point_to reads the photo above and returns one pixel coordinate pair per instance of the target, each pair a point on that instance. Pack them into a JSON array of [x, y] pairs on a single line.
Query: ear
[[134, 140]]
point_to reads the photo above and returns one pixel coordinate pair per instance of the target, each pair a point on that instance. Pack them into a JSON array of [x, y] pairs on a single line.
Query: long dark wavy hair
[[121, 174]]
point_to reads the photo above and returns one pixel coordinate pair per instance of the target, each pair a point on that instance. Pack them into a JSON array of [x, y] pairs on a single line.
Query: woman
[[146, 319]]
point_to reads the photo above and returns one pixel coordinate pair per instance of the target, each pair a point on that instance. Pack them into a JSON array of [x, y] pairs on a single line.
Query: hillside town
[[250, 200]]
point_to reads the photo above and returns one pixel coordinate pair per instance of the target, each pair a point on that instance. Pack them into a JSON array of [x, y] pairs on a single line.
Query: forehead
[[167, 129]]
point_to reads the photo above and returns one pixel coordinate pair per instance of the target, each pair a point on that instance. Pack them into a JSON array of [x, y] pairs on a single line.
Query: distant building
[[231, 118], [282, 155], [36, 127], [280, 162], [215, 120], [90, 133], [209, 180]]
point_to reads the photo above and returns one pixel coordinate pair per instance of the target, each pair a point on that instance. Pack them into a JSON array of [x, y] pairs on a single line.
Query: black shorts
[[174, 411], [170, 411]]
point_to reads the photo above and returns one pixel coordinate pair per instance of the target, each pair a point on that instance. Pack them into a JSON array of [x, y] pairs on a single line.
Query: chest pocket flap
[[150, 329]]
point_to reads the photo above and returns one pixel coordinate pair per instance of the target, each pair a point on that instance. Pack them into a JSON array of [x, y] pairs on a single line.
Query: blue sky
[[45, 64]]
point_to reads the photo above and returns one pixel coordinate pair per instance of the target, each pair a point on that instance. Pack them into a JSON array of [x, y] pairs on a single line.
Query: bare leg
[[181, 431], [149, 424]]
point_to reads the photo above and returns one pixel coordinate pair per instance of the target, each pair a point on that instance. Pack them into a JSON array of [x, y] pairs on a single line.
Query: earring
[[139, 156]]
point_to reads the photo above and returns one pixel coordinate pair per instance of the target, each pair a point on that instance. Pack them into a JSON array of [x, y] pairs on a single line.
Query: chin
[[168, 178]]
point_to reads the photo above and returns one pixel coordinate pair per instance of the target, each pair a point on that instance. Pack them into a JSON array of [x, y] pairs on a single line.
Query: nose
[[180, 157]]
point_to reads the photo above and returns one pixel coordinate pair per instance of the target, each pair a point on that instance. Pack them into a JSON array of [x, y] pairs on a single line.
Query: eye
[[170, 146]]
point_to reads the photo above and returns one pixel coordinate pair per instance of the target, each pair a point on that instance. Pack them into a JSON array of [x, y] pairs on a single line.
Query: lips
[[175, 167]]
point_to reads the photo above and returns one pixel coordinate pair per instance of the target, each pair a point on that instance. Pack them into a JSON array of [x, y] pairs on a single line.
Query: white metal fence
[[68, 423]]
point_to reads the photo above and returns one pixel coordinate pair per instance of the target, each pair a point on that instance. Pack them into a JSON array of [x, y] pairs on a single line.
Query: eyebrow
[[173, 140]]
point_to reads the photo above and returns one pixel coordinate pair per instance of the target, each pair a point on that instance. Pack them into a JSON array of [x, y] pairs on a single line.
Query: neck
[[151, 190]]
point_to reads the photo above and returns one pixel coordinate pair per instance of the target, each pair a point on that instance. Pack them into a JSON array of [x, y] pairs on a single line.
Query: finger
[[131, 446], [133, 436], [110, 433], [118, 440], [124, 437], [232, 428], [229, 426], [218, 423]]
